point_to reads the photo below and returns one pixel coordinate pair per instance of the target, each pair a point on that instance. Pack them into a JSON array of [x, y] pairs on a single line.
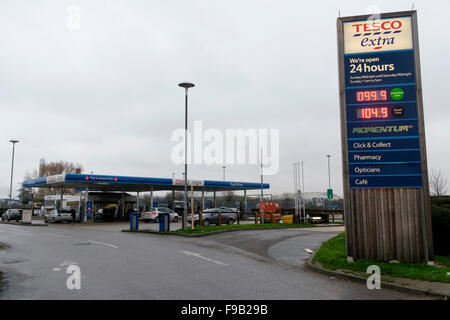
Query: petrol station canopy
[[135, 184]]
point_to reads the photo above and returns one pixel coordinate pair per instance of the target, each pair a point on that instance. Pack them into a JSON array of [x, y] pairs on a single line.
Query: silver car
[[211, 216], [153, 213], [59, 216]]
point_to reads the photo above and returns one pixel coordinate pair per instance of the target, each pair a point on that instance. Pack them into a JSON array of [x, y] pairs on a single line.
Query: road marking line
[[57, 235], [65, 263], [17, 230], [68, 263], [198, 255], [105, 244]]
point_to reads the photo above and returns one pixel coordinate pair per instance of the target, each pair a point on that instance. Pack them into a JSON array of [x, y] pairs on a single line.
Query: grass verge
[[332, 255], [208, 229], [443, 260]]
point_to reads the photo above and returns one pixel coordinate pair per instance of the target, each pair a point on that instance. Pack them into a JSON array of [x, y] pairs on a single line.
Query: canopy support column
[[173, 199], [61, 198], [151, 197], [123, 204], [203, 198], [137, 201], [85, 203], [80, 206], [245, 202]]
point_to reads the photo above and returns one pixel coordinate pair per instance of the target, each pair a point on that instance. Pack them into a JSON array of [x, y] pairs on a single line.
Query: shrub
[[440, 217]]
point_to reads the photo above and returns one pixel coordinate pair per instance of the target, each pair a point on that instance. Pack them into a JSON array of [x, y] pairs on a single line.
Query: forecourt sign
[[387, 207]]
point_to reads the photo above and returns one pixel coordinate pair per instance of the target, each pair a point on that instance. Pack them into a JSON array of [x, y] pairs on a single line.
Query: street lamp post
[[261, 209], [224, 193], [303, 197], [12, 169], [329, 180], [186, 86], [329, 193]]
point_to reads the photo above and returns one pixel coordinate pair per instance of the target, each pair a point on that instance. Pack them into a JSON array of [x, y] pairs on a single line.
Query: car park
[[59, 215], [153, 214], [211, 216], [12, 214]]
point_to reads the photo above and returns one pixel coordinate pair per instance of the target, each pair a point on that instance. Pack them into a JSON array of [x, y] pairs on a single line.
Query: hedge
[[440, 217]]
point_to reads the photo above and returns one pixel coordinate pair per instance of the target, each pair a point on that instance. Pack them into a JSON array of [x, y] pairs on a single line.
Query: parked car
[[226, 209], [178, 206], [106, 214], [211, 216], [12, 214], [59, 216], [318, 217], [152, 214]]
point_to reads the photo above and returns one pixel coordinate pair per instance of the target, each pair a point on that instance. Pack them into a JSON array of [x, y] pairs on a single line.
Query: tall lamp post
[[329, 192], [261, 209], [329, 180], [224, 181], [186, 86], [12, 169]]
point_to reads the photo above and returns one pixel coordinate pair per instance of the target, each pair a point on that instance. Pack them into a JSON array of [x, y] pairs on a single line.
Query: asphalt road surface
[[263, 264]]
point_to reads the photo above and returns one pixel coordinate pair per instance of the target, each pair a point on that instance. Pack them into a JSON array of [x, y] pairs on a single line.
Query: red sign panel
[[270, 206]]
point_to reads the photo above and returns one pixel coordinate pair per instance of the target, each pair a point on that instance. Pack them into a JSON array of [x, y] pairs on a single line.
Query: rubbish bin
[[164, 222], [134, 221]]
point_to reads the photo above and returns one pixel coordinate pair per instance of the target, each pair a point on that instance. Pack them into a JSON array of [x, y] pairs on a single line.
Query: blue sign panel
[[384, 169], [89, 207], [381, 106], [383, 111], [387, 68], [393, 181], [385, 95], [384, 156], [390, 144], [382, 128]]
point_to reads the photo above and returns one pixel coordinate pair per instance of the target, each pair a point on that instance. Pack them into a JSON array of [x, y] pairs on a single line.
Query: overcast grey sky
[[106, 95]]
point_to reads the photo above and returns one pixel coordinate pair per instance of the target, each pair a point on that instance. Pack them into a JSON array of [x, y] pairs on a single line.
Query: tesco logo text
[[377, 26]]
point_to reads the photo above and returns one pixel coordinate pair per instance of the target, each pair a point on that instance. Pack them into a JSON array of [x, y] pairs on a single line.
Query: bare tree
[[287, 199], [286, 196], [53, 168], [229, 196], [179, 195], [438, 182], [59, 167]]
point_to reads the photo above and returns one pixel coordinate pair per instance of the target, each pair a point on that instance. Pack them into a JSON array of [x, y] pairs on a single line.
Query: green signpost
[[330, 193]]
